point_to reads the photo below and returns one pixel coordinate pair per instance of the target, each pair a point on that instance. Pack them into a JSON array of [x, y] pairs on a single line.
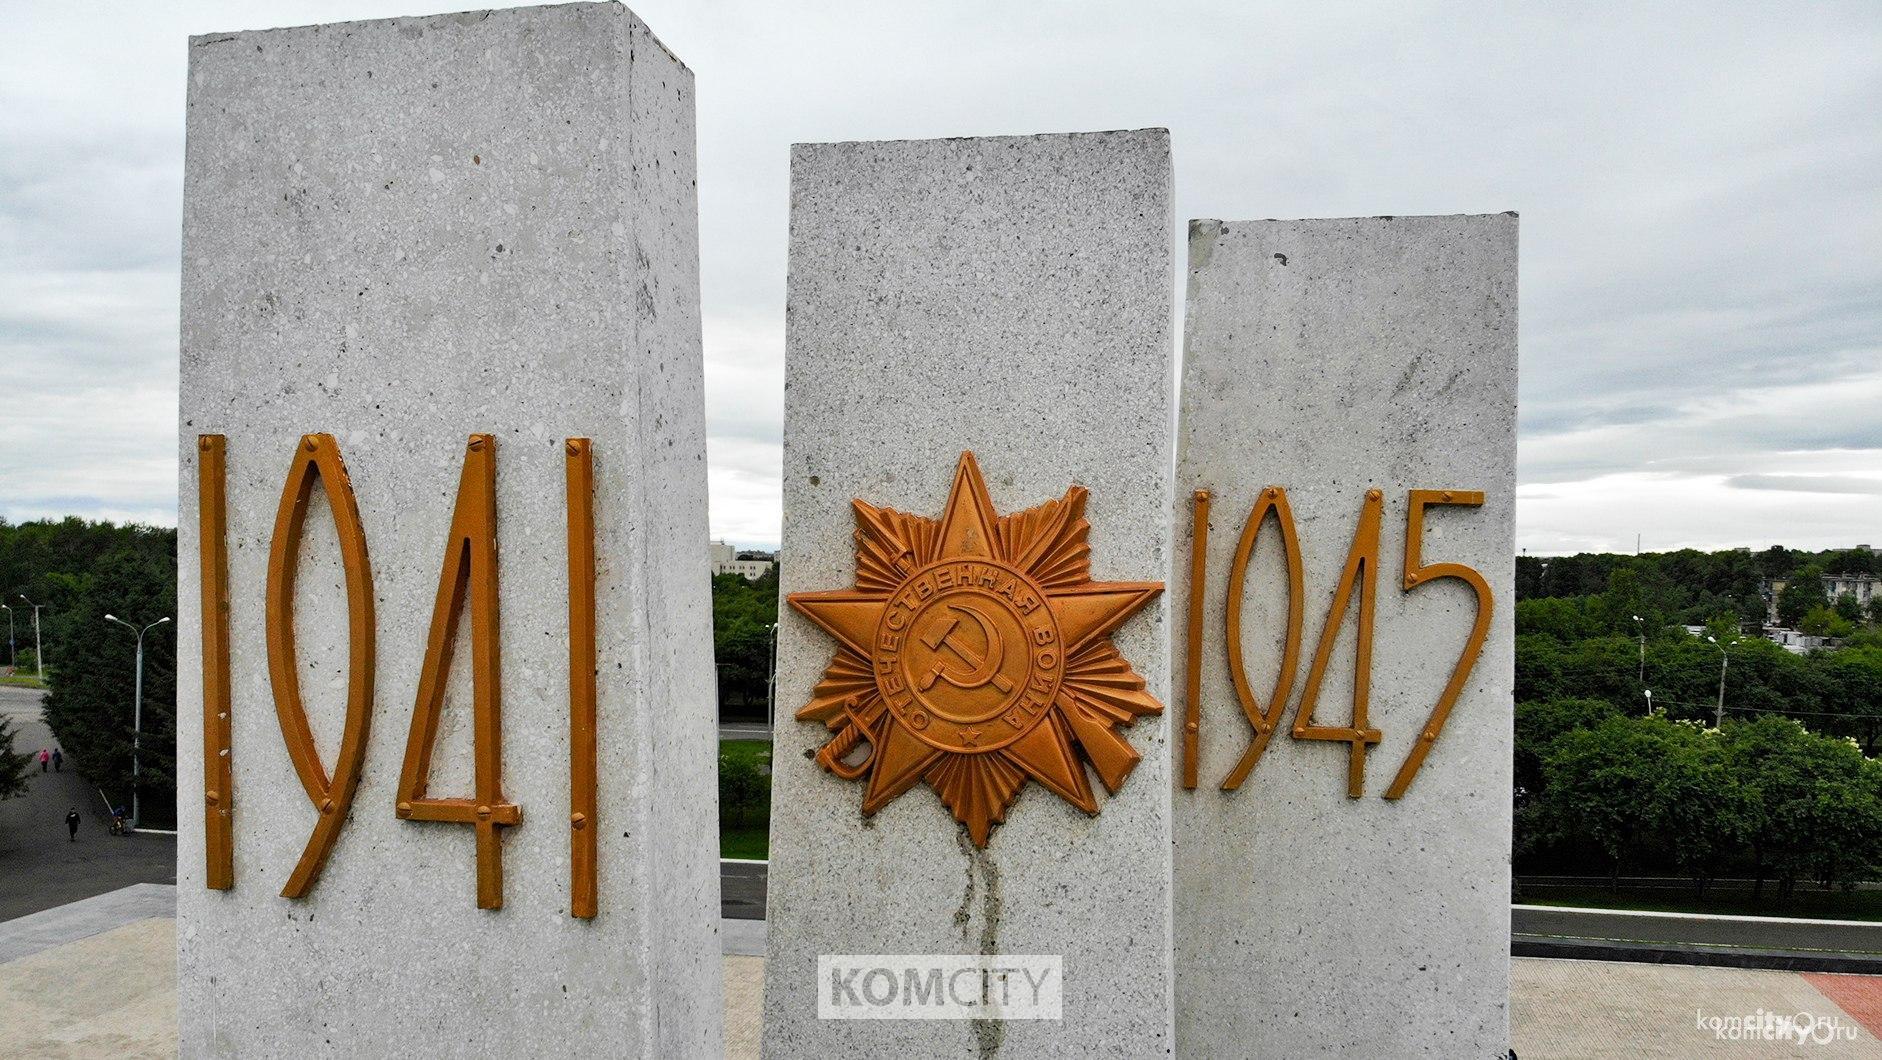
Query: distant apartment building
[[748, 565], [1864, 587]]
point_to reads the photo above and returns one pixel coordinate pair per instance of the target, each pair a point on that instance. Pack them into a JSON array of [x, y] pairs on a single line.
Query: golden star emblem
[[974, 653]]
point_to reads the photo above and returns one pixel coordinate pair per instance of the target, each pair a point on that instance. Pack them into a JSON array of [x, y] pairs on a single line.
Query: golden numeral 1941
[[469, 570]]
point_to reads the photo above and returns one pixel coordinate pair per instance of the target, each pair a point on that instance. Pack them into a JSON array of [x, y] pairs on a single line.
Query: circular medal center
[[968, 654]]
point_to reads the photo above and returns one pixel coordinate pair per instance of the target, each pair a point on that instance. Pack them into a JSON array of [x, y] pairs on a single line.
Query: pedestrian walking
[[44, 757], [71, 822], [58, 760]]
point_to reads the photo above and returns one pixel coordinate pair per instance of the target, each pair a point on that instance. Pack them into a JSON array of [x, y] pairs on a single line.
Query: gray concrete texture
[[1011, 296], [113, 997], [1331, 357], [403, 232]]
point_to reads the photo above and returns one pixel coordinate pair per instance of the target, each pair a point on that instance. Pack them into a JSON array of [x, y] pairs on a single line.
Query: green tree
[[91, 705], [1801, 593], [743, 615], [743, 786], [13, 765], [1875, 610], [1849, 684], [1600, 785], [1565, 618], [1848, 608], [1539, 725], [1823, 622], [1699, 809], [1816, 803]]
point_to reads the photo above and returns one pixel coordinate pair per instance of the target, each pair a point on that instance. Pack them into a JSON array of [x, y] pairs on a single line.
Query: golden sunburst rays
[[975, 653]]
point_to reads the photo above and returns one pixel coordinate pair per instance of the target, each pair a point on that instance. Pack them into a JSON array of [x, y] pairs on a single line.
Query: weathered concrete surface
[[83, 918], [1331, 357], [403, 232], [1010, 296], [112, 995]]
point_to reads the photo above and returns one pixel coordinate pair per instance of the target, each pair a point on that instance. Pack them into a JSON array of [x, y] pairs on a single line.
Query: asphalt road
[[40, 867], [742, 890]]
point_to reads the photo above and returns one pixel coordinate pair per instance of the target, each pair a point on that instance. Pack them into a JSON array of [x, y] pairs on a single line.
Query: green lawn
[[1806, 901], [22, 681], [749, 838]]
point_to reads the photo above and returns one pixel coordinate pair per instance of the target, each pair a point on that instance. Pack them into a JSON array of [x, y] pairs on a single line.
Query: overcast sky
[[1700, 189]]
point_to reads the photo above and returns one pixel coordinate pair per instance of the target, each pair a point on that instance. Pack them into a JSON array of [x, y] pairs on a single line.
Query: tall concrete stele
[[441, 249], [1008, 297], [1342, 879]]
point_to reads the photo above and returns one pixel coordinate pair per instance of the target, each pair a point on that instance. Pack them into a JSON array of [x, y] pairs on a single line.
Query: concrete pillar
[[1333, 358], [1010, 296], [402, 233]]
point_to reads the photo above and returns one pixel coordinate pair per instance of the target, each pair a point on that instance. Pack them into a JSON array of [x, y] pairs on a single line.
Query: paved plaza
[[98, 979]]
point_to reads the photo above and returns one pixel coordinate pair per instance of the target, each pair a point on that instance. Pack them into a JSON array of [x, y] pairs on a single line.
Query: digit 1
[[1416, 574], [583, 828], [1362, 571], [1192, 662], [470, 562], [213, 570]]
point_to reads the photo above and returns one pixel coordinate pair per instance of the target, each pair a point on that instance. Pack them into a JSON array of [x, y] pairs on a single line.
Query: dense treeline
[[1693, 587], [743, 614], [79, 571], [1620, 756]]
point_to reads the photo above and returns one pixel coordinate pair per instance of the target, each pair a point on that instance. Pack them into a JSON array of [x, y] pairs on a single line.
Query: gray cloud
[[1807, 483], [1701, 191]]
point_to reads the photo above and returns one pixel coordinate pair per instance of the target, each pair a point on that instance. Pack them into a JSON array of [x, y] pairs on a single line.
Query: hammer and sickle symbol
[[984, 669]]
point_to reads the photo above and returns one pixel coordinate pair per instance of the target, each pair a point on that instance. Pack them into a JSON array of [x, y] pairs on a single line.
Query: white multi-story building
[[725, 560], [1864, 587]]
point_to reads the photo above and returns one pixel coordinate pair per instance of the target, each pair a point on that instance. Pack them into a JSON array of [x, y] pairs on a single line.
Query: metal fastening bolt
[[483, 813], [1447, 495], [476, 444], [1274, 491], [1429, 735], [405, 807], [204, 443], [1411, 579], [211, 797], [310, 444], [1373, 495], [575, 448], [1261, 727], [579, 820], [1191, 727], [326, 805]]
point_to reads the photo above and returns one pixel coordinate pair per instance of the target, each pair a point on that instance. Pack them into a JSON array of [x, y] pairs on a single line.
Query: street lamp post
[[771, 682], [39, 648], [1642, 627], [10, 652], [137, 715], [1725, 659], [1649, 693]]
